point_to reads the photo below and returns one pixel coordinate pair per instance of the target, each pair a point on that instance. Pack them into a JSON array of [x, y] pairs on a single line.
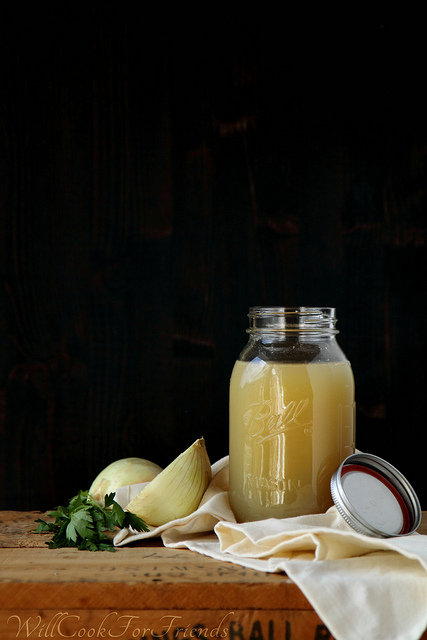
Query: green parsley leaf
[[83, 522], [109, 499], [44, 526]]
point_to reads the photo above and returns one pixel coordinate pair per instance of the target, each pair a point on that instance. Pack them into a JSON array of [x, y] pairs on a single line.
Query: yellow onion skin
[[122, 473], [178, 490]]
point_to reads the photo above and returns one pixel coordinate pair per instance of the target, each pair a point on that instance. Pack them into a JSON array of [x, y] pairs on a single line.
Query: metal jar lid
[[374, 498]]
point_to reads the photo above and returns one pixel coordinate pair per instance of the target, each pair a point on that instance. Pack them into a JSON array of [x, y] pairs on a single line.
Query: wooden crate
[[141, 591]]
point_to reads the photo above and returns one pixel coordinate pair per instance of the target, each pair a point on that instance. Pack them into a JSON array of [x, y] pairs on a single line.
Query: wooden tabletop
[[140, 590]]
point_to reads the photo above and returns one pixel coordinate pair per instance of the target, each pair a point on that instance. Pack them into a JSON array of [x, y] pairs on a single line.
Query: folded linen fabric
[[361, 587]]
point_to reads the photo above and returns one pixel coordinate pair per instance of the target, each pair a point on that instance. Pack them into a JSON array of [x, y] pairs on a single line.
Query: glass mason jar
[[291, 414]]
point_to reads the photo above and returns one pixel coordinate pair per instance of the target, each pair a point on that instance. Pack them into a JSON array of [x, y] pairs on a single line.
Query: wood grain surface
[[144, 590], [139, 591]]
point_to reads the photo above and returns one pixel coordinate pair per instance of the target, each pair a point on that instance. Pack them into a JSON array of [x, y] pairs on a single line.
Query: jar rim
[[279, 319], [291, 311]]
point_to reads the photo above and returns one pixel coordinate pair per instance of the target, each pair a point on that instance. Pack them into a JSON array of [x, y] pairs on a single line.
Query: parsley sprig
[[83, 523]]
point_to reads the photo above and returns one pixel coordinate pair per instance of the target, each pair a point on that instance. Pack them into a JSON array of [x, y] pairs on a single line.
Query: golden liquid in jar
[[291, 426]]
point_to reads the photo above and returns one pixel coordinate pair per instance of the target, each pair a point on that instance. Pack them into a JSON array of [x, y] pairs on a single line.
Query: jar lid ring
[[374, 498]]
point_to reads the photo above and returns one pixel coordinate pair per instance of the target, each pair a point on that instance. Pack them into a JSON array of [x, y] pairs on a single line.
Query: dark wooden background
[[162, 173]]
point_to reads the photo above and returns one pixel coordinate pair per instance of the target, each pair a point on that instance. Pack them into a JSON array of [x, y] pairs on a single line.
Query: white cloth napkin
[[363, 588]]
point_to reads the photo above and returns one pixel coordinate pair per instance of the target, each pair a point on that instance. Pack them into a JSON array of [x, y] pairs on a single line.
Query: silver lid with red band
[[374, 498]]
